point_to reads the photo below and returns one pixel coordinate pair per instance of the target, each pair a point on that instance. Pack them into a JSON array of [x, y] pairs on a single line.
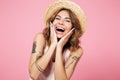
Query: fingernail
[[73, 29], [50, 23]]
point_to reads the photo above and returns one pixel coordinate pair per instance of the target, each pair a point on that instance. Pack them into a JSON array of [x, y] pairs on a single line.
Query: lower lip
[[59, 33]]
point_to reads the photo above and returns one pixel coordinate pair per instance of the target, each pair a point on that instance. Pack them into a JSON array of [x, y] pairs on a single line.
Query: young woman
[[56, 50]]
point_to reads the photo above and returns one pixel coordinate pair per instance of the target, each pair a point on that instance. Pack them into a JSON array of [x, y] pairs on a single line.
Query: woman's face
[[62, 23]]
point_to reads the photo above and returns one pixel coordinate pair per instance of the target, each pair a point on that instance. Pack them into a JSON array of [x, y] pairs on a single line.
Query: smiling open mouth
[[60, 29]]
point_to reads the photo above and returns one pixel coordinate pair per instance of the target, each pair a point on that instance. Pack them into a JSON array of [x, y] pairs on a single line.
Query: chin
[[59, 37]]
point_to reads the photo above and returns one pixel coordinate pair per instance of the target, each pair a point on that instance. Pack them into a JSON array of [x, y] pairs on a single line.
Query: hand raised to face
[[65, 38], [53, 35]]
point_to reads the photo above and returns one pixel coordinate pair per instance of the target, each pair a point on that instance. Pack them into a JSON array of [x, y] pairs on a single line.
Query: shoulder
[[39, 36], [39, 39], [78, 52]]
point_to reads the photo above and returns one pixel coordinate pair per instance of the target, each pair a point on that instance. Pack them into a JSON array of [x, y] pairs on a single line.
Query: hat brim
[[75, 8]]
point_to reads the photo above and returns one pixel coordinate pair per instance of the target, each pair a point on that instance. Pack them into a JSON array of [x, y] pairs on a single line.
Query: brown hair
[[73, 42]]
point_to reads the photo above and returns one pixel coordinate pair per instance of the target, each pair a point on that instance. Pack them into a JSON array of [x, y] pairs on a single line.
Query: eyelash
[[68, 21], [57, 18], [65, 20]]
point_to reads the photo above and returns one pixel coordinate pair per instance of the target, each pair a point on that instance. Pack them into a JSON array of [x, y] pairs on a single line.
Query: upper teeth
[[60, 28]]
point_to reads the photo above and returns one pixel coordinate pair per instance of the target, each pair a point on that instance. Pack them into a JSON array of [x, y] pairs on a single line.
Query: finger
[[51, 27], [67, 36], [69, 33], [50, 24]]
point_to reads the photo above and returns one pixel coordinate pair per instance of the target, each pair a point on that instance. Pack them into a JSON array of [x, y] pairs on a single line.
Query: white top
[[48, 74]]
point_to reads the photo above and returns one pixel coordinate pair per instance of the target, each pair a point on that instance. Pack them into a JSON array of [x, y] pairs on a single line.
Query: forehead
[[64, 13]]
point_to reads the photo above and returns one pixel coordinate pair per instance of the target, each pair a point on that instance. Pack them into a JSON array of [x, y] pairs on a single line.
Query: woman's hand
[[64, 39], [53, 35]]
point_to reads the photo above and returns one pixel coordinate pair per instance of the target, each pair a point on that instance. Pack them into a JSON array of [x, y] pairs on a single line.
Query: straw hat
[[75, 8]]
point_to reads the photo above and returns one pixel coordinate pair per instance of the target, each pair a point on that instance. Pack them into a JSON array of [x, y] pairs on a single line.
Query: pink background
[[20, 20]]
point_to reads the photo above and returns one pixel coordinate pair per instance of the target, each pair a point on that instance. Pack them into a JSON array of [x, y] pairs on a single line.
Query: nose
[[61, 22]]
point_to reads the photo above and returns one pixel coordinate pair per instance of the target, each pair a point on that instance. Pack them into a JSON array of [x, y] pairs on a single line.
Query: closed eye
[[67, 20], [57, 18]]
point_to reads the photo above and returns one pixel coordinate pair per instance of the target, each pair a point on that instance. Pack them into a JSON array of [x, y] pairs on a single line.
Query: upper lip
[[60, 28]]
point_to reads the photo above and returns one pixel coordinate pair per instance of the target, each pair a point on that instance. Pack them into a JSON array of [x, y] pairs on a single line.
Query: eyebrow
[[65, 17]]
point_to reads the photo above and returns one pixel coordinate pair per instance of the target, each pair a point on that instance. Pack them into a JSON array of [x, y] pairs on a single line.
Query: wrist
[[59, 48], [53, 45]]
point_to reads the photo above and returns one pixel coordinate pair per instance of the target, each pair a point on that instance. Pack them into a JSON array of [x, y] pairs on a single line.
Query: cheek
[[68, 29], [69, 25], [55, 21]]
